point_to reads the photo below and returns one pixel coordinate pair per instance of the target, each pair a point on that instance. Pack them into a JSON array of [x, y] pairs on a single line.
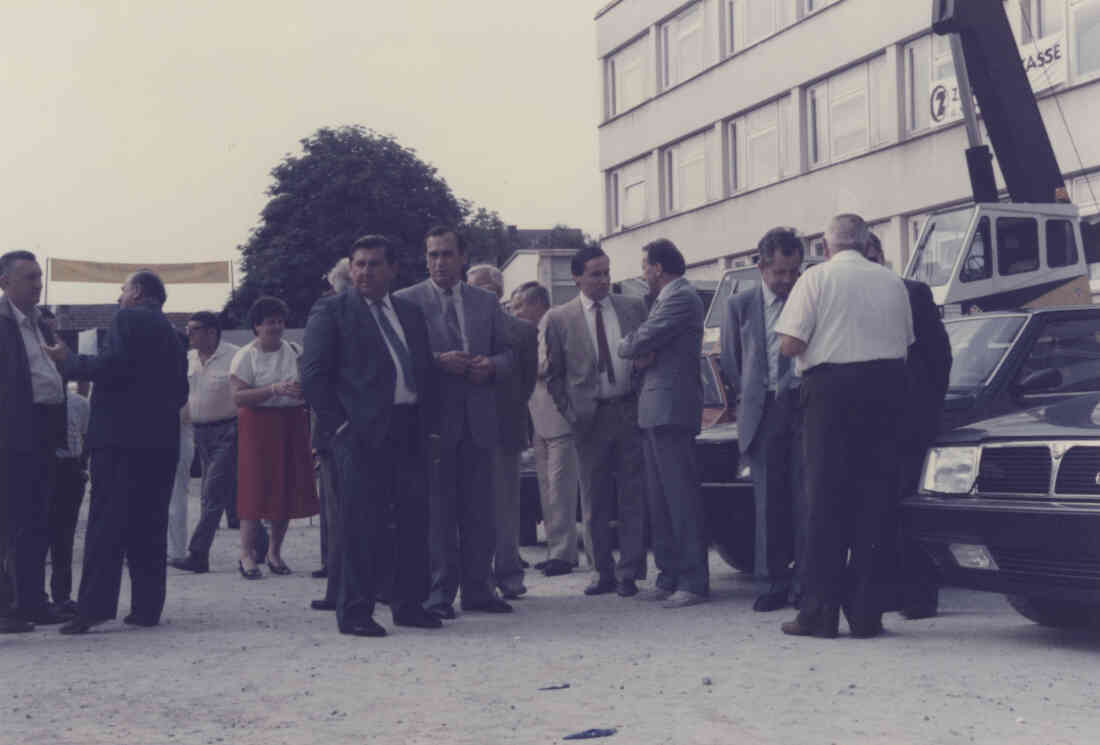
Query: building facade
[[724, 118]]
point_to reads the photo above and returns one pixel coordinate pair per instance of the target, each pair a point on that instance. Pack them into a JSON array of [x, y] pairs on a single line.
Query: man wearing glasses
[[214, 417]]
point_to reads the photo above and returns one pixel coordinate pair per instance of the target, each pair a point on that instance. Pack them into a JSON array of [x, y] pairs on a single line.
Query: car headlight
[[950, 470]]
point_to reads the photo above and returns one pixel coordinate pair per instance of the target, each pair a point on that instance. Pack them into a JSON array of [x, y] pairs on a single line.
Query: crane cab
[[1000, 256]]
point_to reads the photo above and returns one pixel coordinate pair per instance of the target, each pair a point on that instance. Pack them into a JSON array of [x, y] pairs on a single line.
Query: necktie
[[450, 319], [395, 342], [603, 361]]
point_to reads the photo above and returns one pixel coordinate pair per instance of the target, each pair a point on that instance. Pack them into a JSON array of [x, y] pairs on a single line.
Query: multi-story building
[[724, 118]]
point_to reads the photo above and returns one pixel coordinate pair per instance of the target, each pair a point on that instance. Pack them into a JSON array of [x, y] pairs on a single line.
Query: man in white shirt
[[594, 391], [849, 326], [32, 397]]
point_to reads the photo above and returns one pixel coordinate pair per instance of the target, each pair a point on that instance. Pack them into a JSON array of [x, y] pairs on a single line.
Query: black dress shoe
[[278, 568], [824, 625], [491, 604], [601, 586], [323, 604], [627, 588], [443, 611], [541, 565], [66, 608], [915, 613], [253, 573], [321, 573], [417, 618], [773, 599], [78, 625], [368, 627], [556, 567], [15, 626], [196, 564], [47, 615], [133, 620]]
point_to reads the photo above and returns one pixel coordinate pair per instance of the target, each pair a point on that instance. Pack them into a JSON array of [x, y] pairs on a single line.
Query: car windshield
[[977, 345], [936, 254], [712, 394], [742, 279]]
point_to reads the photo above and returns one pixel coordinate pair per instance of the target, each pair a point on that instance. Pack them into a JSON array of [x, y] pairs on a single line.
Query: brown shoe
[[824, 625]]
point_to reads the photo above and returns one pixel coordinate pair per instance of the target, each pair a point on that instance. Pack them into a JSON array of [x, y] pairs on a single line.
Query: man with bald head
[[848, 325]]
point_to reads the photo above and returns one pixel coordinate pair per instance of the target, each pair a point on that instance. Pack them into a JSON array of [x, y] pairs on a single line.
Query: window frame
[[624, 178], [614, 73], [670, 74], [673, 164]]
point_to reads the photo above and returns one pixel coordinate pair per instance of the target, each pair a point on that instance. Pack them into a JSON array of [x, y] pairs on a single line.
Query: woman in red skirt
[[274, 465]]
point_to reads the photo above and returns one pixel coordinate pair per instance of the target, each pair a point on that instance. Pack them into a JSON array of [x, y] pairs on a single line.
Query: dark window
[[978, 263], [1017, 245], [1073, 349], [1061, 246]]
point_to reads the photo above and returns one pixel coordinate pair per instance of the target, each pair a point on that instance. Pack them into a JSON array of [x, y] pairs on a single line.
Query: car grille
[[1079, 471], [1054, 568], [1015, 470]]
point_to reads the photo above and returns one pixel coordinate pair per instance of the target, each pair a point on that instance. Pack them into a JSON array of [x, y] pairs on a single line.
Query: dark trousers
[[462, 532], [675, 509], [775, 457], [68, 494], [128, 519], [330, 514], [217, 448], [915, 576], [850, 416], [27, 480], [374, 484]]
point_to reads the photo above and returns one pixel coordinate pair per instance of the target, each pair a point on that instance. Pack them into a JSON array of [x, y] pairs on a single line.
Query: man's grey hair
[[847, 231], [533, 293], [496, 279], [339, 276]]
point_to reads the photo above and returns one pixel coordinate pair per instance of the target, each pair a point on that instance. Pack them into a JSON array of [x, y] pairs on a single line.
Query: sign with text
[[1044, 61]]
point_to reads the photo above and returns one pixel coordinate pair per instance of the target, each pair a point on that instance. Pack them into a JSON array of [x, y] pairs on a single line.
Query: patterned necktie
[[450, 319], [398, 346], [603, 361]]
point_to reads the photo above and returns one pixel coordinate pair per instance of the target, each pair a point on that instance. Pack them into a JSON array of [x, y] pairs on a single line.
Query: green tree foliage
[[346, 182]]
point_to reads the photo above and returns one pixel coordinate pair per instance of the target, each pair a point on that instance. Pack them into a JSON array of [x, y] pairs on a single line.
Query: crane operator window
[[1017, 245]]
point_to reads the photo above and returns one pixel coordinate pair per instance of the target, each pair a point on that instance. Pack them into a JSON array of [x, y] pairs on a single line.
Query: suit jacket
[[928, 365], [140, 377], [16, 397], [514, 392], [672, 387], [745, 361], [571, 357], [348, 374], [461, 401], [546, 420]]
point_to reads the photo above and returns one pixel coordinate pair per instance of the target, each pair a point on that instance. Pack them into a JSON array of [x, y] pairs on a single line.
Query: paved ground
[[248, 662]]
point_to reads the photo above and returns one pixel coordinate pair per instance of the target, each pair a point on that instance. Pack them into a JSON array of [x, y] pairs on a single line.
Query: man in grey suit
[[367, 372], [769, 418], [594, 390], [470, 348], [666, 348], [512, 395]]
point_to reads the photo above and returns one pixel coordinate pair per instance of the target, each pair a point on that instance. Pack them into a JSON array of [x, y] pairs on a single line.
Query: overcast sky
[[147, 130]]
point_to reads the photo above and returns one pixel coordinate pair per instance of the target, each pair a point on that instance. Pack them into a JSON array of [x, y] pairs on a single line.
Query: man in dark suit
[[666, 348], [470, 347], [929, 368], [140, 378], [769, 420], [32, 397], [367, 372]]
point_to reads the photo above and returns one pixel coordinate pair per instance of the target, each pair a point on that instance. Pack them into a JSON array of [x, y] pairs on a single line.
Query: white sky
[[141, 131]]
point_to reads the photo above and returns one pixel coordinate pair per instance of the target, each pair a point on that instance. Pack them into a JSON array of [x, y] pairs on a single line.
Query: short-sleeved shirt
[[259, 369], [848, 310], [210, 398]]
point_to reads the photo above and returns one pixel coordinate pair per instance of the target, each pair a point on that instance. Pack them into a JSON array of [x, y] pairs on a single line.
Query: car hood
[[1076, 417]]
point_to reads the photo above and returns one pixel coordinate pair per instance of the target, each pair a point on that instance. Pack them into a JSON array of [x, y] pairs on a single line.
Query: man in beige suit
[[555, 454], [594, 390]]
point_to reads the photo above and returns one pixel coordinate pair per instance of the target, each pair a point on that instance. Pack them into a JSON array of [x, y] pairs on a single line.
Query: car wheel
[[1056, 612], [731, 520]]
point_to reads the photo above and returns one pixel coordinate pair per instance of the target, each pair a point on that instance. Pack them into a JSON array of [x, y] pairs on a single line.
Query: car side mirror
[[1039, 380]]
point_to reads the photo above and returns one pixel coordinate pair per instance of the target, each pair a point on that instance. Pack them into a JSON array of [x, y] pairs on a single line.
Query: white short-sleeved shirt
[[847, 310], [258, 369], [210, 398]]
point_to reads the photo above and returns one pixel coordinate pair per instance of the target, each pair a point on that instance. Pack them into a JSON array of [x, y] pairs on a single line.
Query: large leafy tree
[[346, 182]]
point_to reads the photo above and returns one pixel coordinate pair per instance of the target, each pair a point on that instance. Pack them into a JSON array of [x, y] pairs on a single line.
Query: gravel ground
[[248, 662]]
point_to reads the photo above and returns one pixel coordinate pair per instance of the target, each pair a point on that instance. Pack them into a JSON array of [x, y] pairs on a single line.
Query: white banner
[[1045, 61]]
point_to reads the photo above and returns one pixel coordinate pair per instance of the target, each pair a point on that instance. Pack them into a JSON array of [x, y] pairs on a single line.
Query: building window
[[628, 195], [682, 46], [685, 174], [928, 65], [763, 146], [758, 19], [1086, 36], [839, 116], [626, 78], [1032, 20]]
